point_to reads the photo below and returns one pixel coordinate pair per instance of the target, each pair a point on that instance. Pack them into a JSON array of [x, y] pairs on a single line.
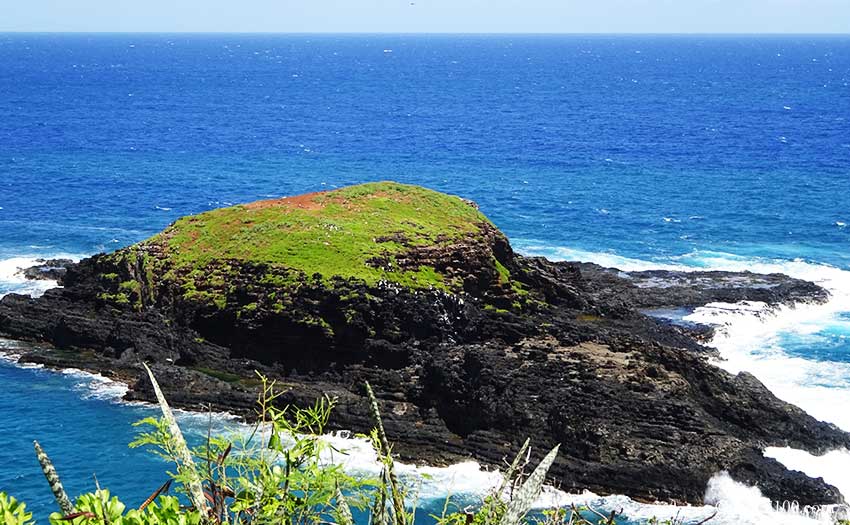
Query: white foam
[[742, 505], [91, 385], [96, 386], [356, 455], [832, 466], [11, 352], [607, 259], [750, 337], [12, 279], [730, 502], [727, 503], [470, 482]]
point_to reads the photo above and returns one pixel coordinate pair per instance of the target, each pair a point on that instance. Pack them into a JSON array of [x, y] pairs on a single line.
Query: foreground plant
[[283, 472], [98, 508], [511, 501], [13, 512], [177, 445], [279, 474], [389, 480], [52, 477]]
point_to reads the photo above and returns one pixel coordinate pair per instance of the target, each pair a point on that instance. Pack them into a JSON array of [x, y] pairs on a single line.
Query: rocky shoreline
[[522, 347]]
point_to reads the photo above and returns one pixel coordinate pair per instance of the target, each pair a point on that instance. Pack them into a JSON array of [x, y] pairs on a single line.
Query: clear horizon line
[[425, 33]]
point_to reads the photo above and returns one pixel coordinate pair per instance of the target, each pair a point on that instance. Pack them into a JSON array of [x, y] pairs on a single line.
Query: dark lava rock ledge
[[470, 347]]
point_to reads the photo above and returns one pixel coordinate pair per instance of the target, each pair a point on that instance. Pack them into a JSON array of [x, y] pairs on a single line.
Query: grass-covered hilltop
[[372, 232], [470, 347]]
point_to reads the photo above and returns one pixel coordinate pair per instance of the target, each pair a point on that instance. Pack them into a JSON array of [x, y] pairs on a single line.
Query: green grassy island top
[[365, 232]]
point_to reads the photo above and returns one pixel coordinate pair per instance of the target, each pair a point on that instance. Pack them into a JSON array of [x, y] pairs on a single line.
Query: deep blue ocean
[[729, 152]]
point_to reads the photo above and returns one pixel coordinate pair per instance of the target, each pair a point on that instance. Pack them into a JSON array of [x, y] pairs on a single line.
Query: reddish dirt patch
[[307, 201]]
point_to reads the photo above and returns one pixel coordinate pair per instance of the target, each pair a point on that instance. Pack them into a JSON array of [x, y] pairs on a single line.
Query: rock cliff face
[[470, 346]]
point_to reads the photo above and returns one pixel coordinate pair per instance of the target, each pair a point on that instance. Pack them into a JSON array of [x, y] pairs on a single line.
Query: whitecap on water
[[730, 503], [607, 259], [742, 505]]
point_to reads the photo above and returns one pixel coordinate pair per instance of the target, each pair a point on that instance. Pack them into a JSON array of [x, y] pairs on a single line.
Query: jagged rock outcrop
[[470, 347], [47, 269]]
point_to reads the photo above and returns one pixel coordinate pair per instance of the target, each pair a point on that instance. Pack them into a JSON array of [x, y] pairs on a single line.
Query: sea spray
[[757, 338], [12, 279], [743, 505]]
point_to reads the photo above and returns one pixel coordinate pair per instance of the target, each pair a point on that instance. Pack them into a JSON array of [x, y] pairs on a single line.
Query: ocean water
[[636, 152]]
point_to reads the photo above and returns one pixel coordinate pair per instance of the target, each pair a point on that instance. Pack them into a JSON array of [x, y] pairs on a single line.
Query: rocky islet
[[470, 346]]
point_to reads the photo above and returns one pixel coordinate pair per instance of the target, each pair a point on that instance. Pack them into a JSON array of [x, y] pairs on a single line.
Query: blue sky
[[451, 16]]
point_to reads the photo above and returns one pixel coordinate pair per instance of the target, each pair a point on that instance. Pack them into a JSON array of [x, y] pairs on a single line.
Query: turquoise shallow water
[[638, 152], [77, 419]]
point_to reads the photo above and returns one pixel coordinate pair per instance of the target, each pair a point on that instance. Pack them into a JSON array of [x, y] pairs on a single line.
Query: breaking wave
[[800, 352]]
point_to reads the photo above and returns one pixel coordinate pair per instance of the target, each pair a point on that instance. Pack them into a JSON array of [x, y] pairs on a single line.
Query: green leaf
[[274, 442], [13, 512]]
